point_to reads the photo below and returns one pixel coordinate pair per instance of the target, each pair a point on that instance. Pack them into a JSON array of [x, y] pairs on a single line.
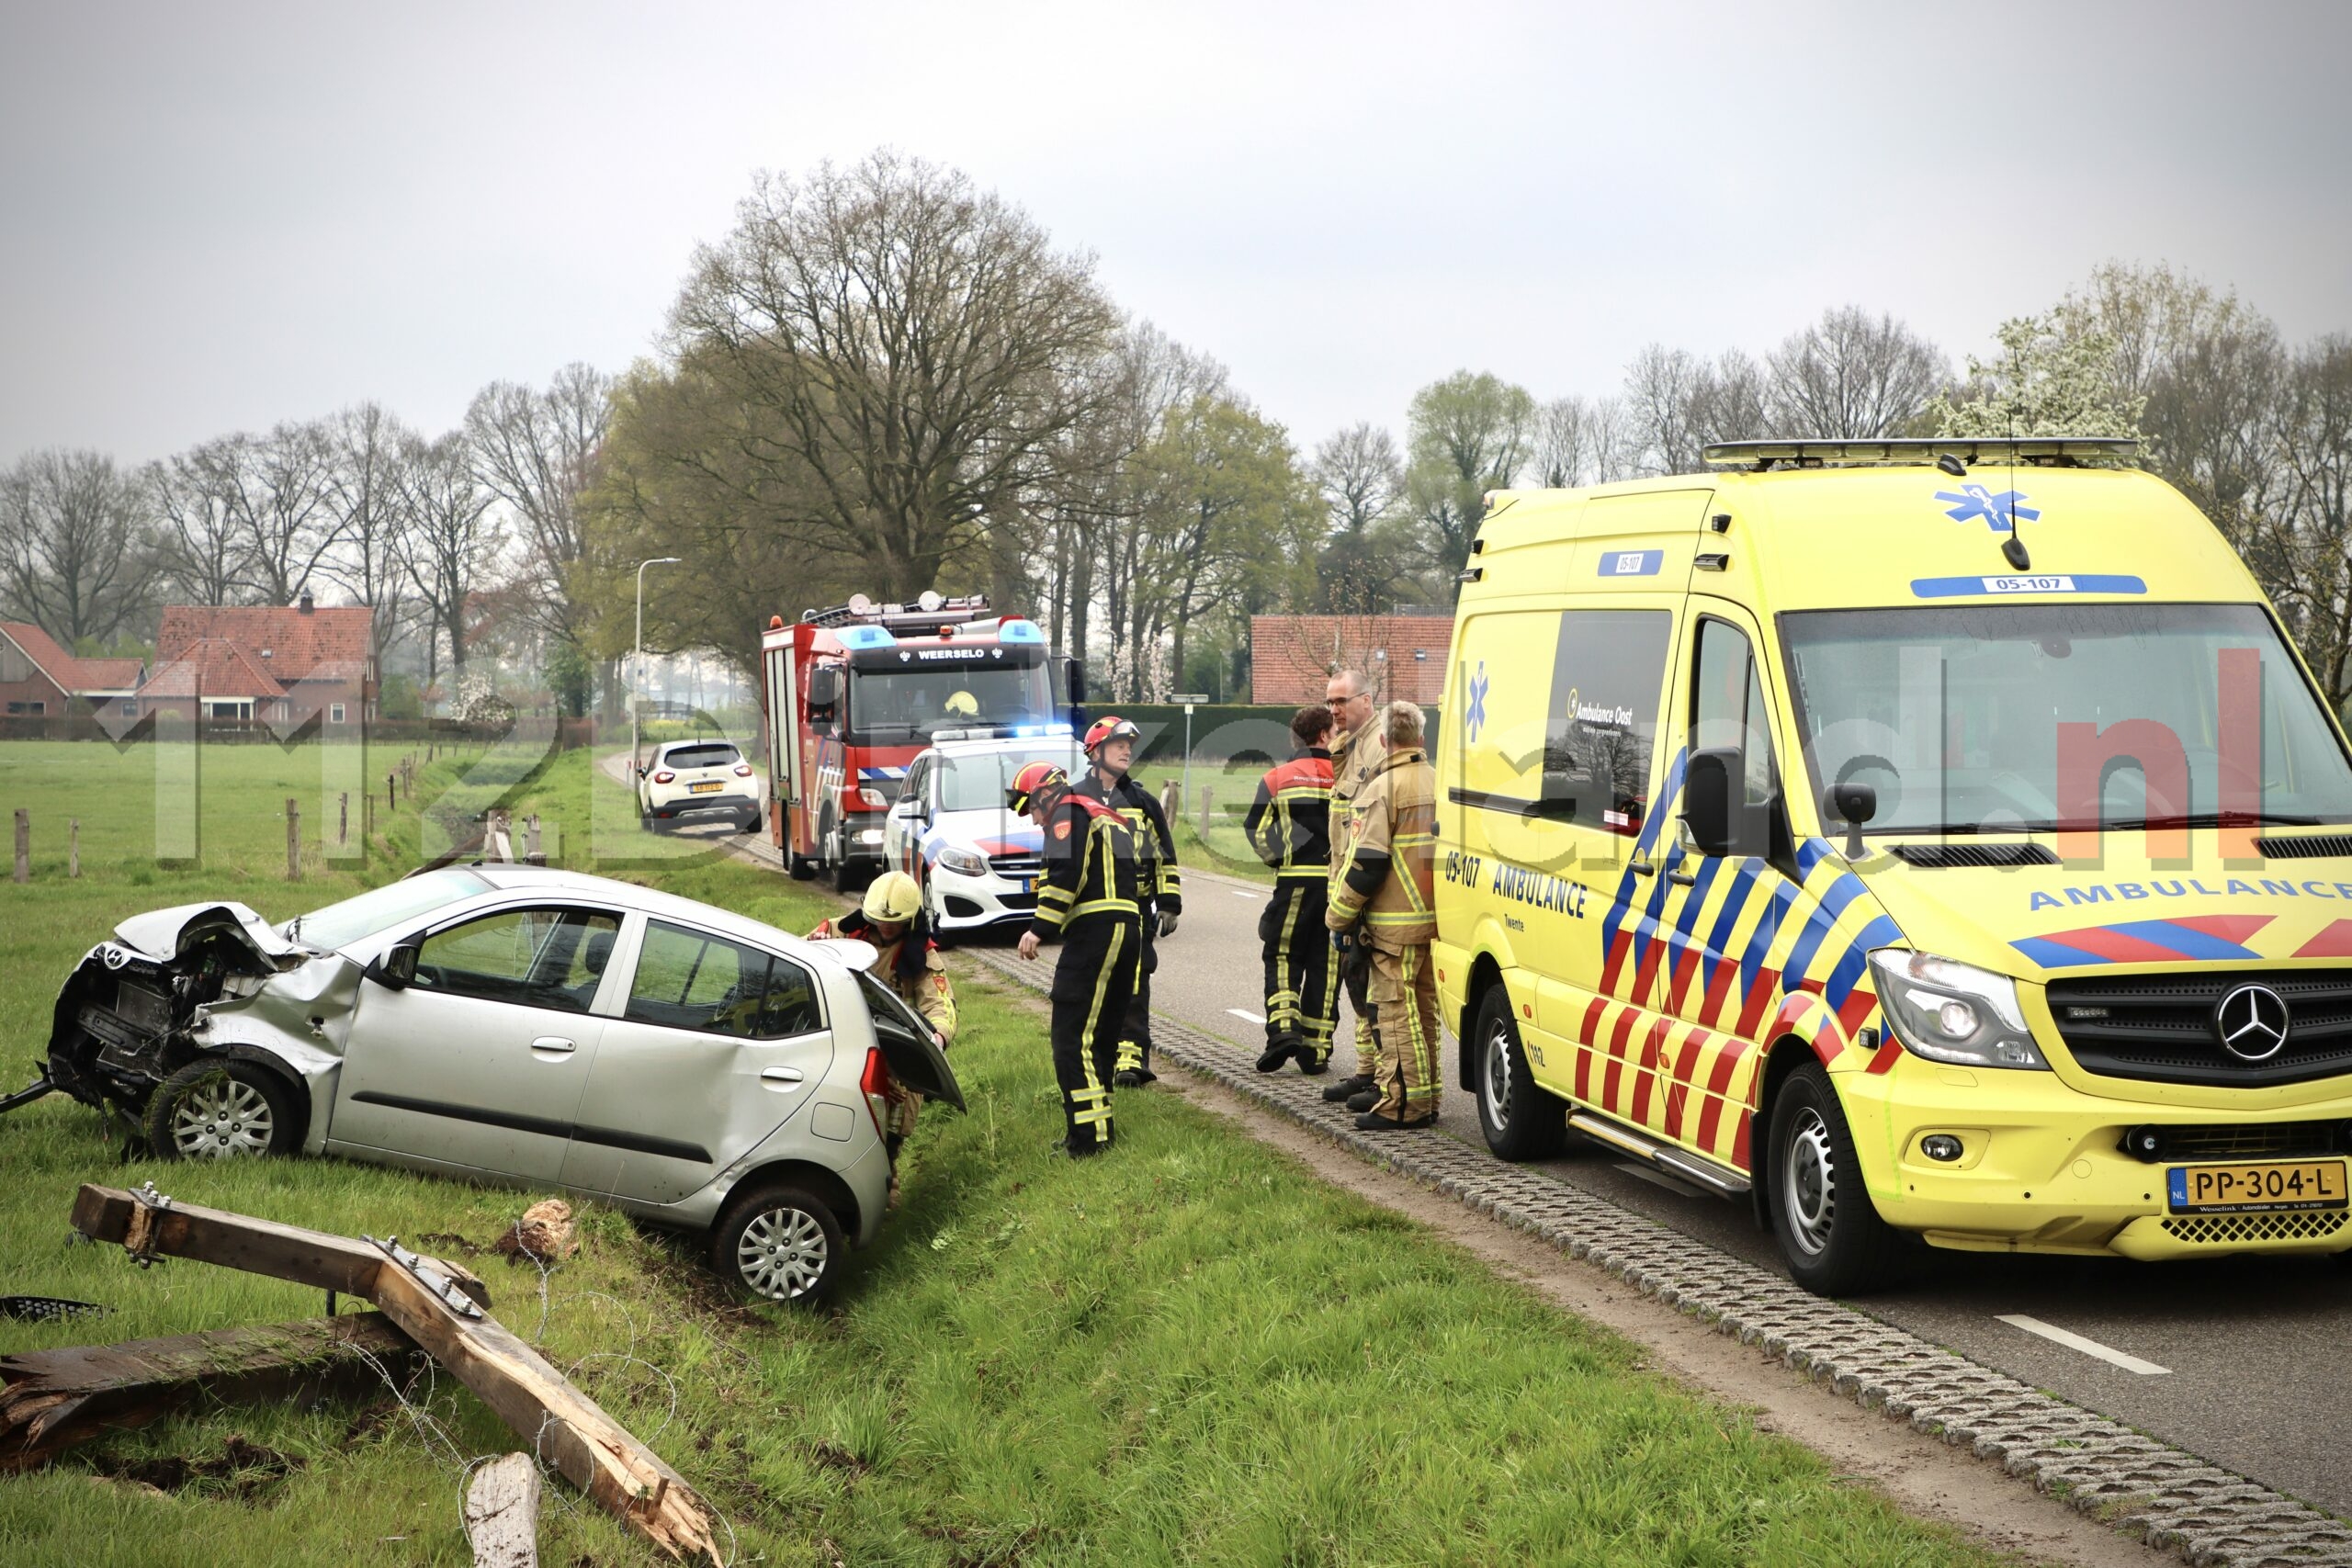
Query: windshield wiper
[[2212, 820]]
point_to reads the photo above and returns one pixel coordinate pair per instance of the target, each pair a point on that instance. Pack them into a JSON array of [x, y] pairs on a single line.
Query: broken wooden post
[[24, 845], [49, 1400], [293, 840], [73, 847], [531, 852], [503, 1513], [429, 1300], [1171, 800], [1208, 794], [342, 817]]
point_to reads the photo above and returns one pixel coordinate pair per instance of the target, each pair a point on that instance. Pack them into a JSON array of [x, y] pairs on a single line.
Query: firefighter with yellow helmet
[[1086, 900], [907, 960]]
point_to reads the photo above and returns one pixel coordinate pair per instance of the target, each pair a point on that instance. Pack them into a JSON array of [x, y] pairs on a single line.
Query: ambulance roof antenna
[[2013, 548]]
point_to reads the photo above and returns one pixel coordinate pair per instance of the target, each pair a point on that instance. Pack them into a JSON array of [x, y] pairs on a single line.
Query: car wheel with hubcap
[[780, 1242], [221, 1109], [1822, 1215], [1520, 1119]]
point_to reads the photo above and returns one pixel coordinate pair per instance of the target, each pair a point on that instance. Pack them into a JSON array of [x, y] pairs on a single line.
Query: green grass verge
[[1225, 849], [1190, 1351]]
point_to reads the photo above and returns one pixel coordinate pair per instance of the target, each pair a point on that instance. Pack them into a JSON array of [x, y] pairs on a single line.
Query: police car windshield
[[2010, 718], [902, 704], [978, 782]]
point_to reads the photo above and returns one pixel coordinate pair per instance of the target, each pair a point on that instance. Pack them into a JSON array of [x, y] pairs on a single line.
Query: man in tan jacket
[[1357, 745], [1382, 895]]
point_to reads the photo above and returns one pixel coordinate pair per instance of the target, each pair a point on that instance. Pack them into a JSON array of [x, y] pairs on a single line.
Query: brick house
[[266, 664], [1291, 657], [41, 679]]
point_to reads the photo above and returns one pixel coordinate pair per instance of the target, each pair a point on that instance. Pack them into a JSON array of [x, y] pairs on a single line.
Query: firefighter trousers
[[1093, 979], [1403, 992], [1302, 1002], [1135, 1028]]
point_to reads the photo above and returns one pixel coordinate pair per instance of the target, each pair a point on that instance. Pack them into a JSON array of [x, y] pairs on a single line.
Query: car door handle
[[781, 1077], [1682, 878], [555, 1044], [1643, 868]]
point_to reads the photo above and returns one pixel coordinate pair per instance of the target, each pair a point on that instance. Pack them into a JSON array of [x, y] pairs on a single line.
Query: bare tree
[[1566, 444], [76, 556], [1361, 476], [450, 540], [1853, 376], [371, 514], [534, 450], [282, 506], [924, 344], [1661, 386], [205, 495]]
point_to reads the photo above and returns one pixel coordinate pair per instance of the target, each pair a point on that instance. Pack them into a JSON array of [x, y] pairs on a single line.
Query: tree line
[[883, 378]]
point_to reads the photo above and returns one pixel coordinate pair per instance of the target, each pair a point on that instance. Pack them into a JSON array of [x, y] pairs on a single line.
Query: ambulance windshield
[[918, 701], [2007, 717]]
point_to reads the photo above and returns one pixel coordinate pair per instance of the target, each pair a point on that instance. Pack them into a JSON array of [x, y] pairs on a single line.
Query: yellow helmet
[[963, 705], [893, 897]]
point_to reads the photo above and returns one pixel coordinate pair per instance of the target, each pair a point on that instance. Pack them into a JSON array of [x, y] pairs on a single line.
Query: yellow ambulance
[[1931, 837]]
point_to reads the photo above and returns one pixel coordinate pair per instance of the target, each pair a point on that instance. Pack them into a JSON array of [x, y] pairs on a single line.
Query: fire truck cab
[[851, 695]]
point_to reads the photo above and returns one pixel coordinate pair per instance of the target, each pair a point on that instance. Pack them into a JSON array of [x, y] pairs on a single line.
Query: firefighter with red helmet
[[1110, 751], [1087, 899]]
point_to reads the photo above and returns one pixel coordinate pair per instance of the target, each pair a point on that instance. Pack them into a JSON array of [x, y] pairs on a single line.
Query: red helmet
[[1110, 727], [1033, 780]]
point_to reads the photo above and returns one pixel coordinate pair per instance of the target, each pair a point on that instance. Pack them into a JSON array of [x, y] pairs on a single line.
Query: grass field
[[1231, 786], [1188, 1351]]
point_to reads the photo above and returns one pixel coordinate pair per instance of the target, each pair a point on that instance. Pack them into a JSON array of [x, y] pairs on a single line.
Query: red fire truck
[[852, 694]]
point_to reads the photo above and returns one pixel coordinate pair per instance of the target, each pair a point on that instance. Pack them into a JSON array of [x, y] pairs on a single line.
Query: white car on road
[[698, 779], [978, 863]]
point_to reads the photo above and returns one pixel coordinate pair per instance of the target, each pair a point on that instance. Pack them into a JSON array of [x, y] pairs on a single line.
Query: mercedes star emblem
[[2252, 1022]]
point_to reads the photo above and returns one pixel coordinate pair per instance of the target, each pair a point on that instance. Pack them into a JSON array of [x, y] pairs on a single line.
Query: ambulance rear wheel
[[1822, 1215], [1521, 1119]]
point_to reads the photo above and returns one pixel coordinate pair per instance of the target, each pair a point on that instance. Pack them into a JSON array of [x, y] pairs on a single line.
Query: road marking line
[[1248, 1017], [2073, 1342], [1239, 894]]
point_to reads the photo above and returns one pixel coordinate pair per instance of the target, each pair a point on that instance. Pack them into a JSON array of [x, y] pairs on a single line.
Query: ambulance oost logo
[[1475, 715], [2001, 513]]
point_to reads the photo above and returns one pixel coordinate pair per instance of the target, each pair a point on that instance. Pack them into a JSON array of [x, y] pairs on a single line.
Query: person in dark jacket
[[1110, 751], [1289, 825]]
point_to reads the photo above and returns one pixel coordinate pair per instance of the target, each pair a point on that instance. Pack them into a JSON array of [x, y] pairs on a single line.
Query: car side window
[[1729, 713], [691, 979], [1608, 676], [544, 957]]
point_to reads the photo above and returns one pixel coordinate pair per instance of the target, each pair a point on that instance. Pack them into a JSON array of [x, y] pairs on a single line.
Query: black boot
[[1312, 1066], [1371, 1123], [1364, 1102], [1347, 1089], [1277, 1052]]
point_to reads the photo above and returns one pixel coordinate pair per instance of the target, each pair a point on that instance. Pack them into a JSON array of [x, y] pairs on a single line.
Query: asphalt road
[[2244, 1362], [2257, 1355]]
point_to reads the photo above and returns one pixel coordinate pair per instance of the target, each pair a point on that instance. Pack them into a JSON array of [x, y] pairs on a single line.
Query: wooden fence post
[[343, 819], [293, 840], [1208, 794], [531, 852], [24, 845], [391, 792], [73, 847], [1171, 800]]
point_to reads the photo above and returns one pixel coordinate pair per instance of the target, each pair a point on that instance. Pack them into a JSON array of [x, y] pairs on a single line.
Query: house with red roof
[[41, 679], [1292, 657], [266, 664]]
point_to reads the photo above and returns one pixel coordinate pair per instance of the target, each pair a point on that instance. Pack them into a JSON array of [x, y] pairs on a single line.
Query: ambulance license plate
[[709, 788], [2256, 1188]]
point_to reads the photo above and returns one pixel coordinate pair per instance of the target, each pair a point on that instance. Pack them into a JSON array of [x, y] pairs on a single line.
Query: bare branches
[[1852, 377], [76, 547]]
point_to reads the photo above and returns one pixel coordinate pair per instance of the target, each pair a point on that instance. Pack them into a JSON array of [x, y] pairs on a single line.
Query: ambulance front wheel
[[1822, 1214], [1521, 1119]]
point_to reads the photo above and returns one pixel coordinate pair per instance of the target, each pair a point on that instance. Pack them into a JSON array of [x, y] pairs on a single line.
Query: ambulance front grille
[[2159, 1028], [2234, 1230]]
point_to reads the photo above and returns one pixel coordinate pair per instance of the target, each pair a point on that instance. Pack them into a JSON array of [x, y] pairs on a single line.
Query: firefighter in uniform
[[1110, 751], [908, 961], [1381, 892], [1087, 899], [1290, 826], [1356, 750]]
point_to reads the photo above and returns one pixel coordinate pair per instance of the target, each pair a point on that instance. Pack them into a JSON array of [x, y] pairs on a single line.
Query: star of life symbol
[[1476, 713], [2252, 1022], [2001, 513]]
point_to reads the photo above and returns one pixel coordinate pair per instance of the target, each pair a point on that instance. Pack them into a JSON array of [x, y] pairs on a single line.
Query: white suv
[[698, 779], [978, 862]]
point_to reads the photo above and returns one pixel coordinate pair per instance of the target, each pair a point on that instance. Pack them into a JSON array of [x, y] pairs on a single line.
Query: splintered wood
[[440, 1306], [503, 1514], [50, 1400]]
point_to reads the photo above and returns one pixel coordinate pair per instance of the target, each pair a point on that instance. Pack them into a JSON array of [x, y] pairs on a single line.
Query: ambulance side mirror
[[1707, 786]]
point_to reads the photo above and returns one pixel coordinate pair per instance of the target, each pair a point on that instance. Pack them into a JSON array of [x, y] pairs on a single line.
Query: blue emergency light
[[858, 637], [1011, 631]]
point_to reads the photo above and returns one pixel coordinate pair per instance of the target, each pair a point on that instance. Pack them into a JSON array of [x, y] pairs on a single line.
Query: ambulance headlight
[[1953, 1013], [964, 862]]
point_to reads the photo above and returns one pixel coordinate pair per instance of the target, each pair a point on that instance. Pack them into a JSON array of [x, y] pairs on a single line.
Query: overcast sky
[[219, 216]]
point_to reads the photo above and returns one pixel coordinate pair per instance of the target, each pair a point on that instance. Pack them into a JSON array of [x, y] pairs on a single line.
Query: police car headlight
[[1953, 1013], [964, 862]]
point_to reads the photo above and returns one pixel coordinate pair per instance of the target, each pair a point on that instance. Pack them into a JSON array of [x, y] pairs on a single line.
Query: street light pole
[[636, 661]]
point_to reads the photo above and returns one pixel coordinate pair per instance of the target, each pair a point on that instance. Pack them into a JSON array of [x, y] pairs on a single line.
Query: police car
[[978, 865]]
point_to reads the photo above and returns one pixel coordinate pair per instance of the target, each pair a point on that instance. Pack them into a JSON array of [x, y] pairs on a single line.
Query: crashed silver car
[[522, 1025]]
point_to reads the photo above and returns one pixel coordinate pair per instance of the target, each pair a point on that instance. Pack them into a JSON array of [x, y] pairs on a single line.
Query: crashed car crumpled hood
[[163, 934]]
